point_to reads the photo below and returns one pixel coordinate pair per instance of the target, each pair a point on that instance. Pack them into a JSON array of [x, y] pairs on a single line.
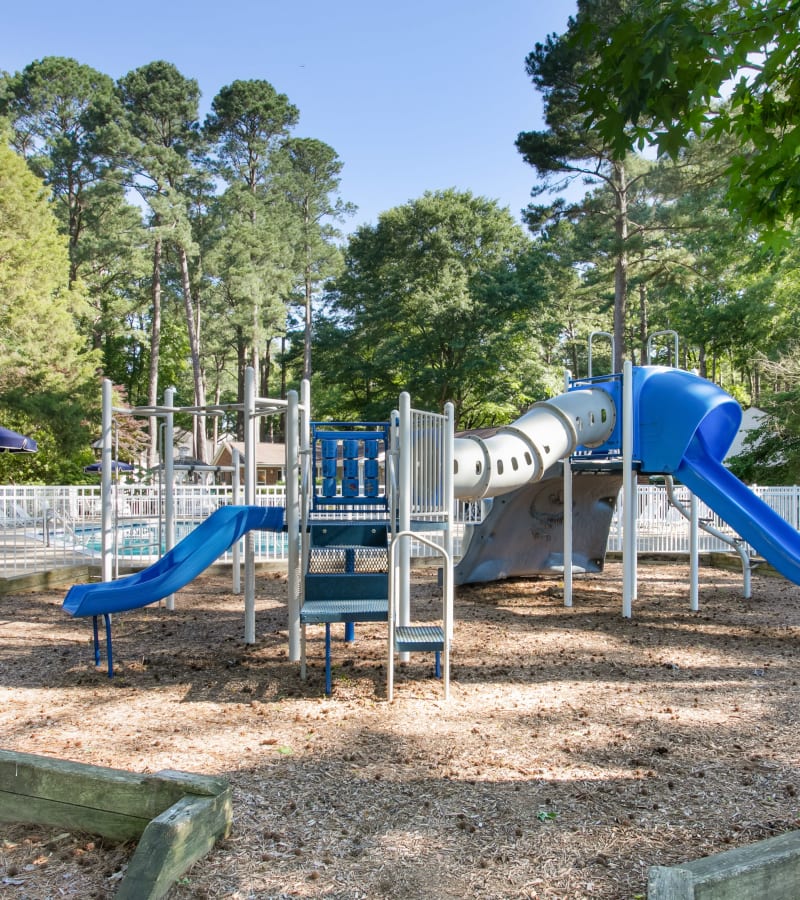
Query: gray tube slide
[[522, 452]]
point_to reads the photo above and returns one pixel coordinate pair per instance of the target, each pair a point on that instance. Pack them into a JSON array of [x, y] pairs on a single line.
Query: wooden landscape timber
[[176, 817], [768, 869]]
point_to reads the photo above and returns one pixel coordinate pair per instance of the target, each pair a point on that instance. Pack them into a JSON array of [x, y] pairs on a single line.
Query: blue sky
[[412, 95]]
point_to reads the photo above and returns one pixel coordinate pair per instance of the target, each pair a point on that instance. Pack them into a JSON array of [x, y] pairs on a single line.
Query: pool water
[[137, 540]]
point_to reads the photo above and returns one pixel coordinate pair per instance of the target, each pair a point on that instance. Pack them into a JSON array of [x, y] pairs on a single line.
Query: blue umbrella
[[11, 442], [116, 466]]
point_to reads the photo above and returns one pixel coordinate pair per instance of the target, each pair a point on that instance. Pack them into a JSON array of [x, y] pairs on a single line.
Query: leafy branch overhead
[[670, 71]]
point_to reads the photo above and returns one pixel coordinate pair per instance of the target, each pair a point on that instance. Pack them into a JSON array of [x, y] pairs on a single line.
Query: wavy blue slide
[[685, 427], [187, 559]]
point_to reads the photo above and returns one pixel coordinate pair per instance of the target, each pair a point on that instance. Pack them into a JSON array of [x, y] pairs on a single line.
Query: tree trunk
[[643, 324], [241, 364], [155, 351], [199, 426], [621, 265], [283, 367]]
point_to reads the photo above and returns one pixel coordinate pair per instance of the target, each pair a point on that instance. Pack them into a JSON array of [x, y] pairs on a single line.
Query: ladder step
[[412, 638], [318, 612]]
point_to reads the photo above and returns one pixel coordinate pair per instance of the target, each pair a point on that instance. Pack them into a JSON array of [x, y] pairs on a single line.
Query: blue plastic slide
[[747, 514], [187, 559], [685, 426]]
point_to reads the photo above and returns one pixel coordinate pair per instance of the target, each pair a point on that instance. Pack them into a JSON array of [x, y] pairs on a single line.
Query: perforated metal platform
[[341, 559], [414, 638], [319, 612]]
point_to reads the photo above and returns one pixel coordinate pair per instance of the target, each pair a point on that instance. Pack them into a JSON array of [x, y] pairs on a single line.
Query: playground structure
[[359, 493]]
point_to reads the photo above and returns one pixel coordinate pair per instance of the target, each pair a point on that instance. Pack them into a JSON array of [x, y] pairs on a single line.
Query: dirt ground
[[578, 748]]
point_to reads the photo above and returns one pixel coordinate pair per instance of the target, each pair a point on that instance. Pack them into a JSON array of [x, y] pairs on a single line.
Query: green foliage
[[65, 118], [662, 74], [772, 451], [248, 119], [430, 301], [771, 454], [47, 382], [311, 183], [567, 149], [253, 241]]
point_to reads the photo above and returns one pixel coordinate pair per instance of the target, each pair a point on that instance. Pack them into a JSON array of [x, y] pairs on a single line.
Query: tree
[[311, 180], [566, 149], [248, 122], [664, 74], [59, 110], [64, 117], [47, 378], [162, 110], [431, 301]]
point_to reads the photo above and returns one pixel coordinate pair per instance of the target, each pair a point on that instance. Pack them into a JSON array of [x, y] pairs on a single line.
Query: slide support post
[[293, 521], [107, 524], [169, 480], [250, 431], [568, 512], [236, 550], [404, 515], [629, 498], [694, 554]]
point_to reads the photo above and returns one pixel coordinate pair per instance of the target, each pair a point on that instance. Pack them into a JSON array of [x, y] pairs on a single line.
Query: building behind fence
[[43, 528]]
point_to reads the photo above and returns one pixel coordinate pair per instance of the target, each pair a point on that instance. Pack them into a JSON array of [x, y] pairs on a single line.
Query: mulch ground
[[578, 748]]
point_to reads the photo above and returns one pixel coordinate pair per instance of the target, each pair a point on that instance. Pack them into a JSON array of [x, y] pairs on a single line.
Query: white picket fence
[[43, 528]]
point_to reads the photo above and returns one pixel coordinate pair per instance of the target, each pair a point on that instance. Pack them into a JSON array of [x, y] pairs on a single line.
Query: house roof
[[752, 419], [267, 455]]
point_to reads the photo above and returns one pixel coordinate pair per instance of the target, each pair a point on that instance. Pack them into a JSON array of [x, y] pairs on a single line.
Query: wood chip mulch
[[578, 748]]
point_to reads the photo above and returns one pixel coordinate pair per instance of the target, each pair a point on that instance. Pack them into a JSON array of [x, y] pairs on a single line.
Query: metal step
[[414, 638], [367, 609]]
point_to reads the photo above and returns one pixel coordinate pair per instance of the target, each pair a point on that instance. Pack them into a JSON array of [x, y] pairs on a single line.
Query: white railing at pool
[[43, 528]]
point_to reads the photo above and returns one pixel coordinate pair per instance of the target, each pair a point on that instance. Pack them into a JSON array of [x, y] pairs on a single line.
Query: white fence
[[662, 529], [43, 528], [46, 527]]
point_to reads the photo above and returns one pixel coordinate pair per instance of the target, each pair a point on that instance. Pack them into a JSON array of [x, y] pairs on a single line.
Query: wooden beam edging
[[769, 869], [177, 817]]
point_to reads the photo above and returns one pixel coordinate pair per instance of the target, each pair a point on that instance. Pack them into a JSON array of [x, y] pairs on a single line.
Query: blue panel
[[329, 448], [350, 449], [671, 406], [329, 467]]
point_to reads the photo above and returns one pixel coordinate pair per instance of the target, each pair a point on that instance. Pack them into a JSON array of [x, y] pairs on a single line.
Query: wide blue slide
[[685, 427], [187, 559]]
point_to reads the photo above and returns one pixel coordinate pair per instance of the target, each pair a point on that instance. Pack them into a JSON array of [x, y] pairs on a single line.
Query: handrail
[[447, 606], [737, 544], [592, 336], [661, 334]]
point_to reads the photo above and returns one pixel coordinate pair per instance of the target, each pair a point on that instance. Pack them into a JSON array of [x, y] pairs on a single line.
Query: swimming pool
[[145, 540]]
